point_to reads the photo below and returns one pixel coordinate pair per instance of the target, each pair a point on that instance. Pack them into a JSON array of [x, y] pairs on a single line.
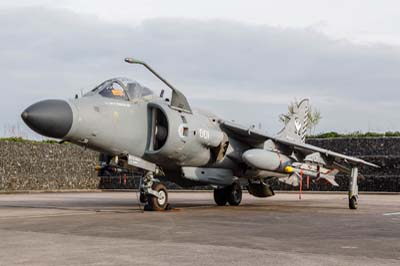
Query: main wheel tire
[[158, 204], [142, 197], [353, 203], [220, 197], [234, 194]]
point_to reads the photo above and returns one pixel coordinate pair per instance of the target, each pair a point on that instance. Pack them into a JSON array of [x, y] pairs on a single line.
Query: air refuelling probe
[[135, 129]]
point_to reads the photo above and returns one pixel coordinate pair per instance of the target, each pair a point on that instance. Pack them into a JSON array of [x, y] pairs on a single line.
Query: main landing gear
[[153, 193], [230, 194]]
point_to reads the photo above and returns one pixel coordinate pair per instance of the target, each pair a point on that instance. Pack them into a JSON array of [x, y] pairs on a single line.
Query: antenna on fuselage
[[178, 100]]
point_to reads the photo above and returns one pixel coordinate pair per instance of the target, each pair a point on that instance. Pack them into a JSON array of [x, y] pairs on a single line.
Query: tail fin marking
[[297, 126]]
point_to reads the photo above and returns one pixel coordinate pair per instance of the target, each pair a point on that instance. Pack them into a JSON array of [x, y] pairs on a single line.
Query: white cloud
[[362, 21], [242, 71]]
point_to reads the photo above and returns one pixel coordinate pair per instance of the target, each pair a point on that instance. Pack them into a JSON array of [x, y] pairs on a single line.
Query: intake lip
[[51, 118]]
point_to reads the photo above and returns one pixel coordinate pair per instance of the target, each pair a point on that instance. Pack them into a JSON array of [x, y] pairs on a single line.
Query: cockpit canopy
[[122, 89]]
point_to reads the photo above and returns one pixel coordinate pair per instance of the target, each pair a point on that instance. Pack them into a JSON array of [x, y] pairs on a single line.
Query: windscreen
[[113, 90], [122, 89]]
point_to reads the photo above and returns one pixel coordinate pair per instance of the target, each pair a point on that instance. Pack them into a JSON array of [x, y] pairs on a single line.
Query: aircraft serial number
[[204, 134]]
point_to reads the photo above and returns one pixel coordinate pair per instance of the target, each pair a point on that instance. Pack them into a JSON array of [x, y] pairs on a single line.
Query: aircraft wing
[[254, 137]]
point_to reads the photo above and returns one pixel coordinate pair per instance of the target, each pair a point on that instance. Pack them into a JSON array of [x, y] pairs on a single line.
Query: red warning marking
[[301, 184]]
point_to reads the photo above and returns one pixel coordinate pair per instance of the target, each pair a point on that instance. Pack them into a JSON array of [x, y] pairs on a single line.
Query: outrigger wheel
[[230, 194], [158, 203], [353, 189], [353, 203]]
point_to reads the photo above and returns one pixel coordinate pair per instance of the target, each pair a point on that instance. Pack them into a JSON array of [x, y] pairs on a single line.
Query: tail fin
[[296, 128]]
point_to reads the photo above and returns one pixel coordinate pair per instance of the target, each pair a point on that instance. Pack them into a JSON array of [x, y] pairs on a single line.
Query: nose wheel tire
[[220, 196], [158, 203], [234, 192], [143, 197], [353, 203]]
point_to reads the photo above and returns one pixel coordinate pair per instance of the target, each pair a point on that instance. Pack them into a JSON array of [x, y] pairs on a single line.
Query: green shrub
[[356, 134]]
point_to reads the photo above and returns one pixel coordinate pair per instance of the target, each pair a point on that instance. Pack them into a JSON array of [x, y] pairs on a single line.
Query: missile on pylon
[[318, 172]]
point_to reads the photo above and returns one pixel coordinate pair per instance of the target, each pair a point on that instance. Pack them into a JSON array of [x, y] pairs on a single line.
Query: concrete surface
[[110, 229]]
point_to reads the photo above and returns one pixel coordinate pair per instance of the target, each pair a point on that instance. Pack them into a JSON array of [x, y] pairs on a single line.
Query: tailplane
[[296, 128]]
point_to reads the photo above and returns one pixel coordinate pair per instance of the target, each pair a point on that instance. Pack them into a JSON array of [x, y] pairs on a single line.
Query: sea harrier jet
[[135, 129]]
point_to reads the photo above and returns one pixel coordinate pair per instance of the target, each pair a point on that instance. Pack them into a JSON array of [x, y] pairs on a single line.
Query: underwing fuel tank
[[266, 160]]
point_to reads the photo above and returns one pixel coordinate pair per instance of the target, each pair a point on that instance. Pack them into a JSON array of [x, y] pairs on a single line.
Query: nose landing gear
[[160, 202], [153, 193]]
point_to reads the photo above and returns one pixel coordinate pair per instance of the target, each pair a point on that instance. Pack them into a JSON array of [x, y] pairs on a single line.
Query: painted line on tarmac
[[391, 213], [349, 247]]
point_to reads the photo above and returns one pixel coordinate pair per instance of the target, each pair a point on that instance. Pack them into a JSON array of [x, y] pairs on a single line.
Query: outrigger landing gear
[[353, 189], [154, 193], [230, 194]]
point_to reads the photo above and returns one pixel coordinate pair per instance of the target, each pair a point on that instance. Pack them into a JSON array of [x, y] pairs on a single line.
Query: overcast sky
[[244, 60]]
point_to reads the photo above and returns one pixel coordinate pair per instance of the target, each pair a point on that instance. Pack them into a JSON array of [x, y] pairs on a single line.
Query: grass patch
[[22, 140]]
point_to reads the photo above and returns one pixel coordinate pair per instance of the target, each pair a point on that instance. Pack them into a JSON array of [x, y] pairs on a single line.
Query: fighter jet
[[137, 130]]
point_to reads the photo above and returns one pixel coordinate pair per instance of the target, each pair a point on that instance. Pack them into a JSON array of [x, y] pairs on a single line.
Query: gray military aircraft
[[135, 129]]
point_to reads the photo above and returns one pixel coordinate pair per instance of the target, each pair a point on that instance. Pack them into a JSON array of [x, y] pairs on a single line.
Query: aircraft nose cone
[[51, 118]]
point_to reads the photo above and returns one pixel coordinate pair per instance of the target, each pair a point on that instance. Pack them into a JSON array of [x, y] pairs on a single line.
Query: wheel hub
[[235, 194], [162, 197]]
